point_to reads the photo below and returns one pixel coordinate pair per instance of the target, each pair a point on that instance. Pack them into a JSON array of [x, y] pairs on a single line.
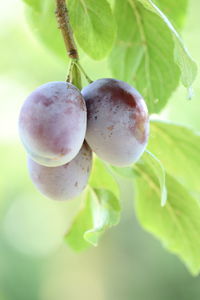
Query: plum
[[63, 182], [117, 121], [52, 123]]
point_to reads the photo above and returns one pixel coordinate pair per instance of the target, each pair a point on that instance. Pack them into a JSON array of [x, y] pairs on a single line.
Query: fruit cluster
[[56, 119]]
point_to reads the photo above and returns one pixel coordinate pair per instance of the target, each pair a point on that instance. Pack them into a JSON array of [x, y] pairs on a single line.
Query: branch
[[65, 27]]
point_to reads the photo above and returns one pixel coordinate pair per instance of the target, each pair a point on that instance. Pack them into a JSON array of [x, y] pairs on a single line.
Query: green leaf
[[149, 53], [101, 210], [126, 172], [174, 10], [35, 4], [41, 18], [106, 213], [157, 168], [177, 224], [178, 148], [183, 59], [81, 223], [93, 25], [75, 75], [149, 160], [101, 177], [143, 54]]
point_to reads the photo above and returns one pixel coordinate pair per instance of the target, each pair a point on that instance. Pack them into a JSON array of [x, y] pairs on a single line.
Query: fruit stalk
[[65, 27]]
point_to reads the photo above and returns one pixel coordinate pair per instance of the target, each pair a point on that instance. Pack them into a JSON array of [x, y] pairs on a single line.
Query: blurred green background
[[35, 263]]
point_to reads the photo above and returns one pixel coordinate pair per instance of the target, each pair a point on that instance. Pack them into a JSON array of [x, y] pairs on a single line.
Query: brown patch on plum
[[82, 104], [57, 146], [78, 101], [40, 98], [139, 129], [47, 102], [117, 93], [64, 151], [76, 184], [68, 111], [40, 130], [65, 166], [110, 127]]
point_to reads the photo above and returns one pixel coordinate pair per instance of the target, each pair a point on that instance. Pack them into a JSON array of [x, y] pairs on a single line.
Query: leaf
[[93, 25], [106, 213], [101, 177], [177, 224], [174, 10], [157, 169], [183, 59], [75, 76], [143, 54], [35, 4], [148, 53], [126, 172], [41, 18], [178, 148], [81, 223], [101, 210]]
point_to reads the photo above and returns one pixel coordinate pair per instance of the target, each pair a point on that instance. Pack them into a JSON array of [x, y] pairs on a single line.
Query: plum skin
[[52, 123], [63, 182], [118, 122]]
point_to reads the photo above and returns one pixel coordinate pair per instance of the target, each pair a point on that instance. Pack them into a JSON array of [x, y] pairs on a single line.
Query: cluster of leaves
[[167, 194], [143, 48]]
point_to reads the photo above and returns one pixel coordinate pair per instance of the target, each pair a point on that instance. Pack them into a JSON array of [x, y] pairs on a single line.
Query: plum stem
[[83, 71], [71, 64], [65, 27]]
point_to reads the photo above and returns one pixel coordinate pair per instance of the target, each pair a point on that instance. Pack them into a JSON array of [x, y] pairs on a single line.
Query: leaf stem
[[65, 27]]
